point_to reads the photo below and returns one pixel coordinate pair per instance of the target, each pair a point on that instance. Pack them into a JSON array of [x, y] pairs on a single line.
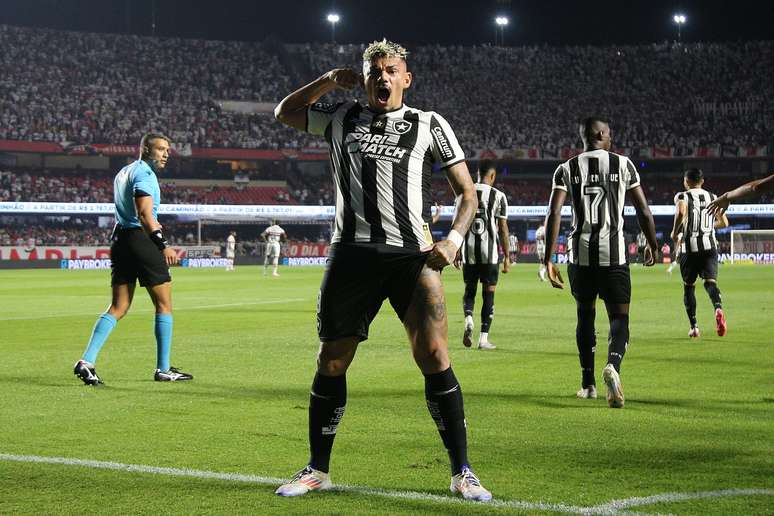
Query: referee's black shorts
[[133, 256], [357, 279], [702, 264], [486, 273], [612, 284]]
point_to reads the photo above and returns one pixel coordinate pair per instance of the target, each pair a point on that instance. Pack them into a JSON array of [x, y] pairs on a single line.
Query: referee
[[138, 251]]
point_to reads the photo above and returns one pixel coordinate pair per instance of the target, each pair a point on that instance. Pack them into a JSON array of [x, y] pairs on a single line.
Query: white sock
[[468, 321], [484, 337]]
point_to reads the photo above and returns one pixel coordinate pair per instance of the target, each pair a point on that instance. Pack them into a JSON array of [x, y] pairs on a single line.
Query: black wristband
[[159, 239]]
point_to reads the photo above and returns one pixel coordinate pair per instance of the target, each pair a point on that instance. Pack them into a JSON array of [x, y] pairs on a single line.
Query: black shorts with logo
[[612, 284], [133, 256], [486, 273], [704, 264], [357, 279]]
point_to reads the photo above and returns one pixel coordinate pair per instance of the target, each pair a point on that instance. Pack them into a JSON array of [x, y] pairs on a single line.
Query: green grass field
[[699, 415]]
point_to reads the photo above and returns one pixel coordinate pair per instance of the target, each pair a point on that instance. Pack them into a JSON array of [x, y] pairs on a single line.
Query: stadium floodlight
[[679, 19], [333, 19], [501, 22]]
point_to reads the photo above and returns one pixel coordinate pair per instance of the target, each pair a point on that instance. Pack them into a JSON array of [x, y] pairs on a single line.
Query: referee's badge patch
[[400, 126]]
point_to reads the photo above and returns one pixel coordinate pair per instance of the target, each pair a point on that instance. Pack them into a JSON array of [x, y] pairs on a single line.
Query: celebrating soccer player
[[479, 254], [139, 251], [698, 246], [382, 154], [597, 182]]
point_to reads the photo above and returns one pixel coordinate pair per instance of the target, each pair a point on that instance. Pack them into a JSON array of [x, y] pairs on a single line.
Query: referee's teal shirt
[[137, 177]]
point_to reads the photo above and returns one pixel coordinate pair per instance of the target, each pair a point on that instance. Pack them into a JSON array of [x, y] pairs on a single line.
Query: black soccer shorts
[[357, 279], [486, 273], [133, 256], [704, 264], [612, 284]]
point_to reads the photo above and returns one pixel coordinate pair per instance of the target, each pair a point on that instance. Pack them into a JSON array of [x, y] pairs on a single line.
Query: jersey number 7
[[592, 198]]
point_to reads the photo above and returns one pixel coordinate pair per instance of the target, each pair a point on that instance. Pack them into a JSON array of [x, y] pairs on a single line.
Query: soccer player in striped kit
[[698, 247], [382, 153], [480, 255], [596, 183]]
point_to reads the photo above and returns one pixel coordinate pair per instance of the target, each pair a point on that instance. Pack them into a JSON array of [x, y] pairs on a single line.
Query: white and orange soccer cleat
[[720, 322], [469, 486], [694, 332], [615, 395], [308, 479]]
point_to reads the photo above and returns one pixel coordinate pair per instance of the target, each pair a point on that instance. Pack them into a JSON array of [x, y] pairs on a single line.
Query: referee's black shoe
[[173, 375], [85, 371]]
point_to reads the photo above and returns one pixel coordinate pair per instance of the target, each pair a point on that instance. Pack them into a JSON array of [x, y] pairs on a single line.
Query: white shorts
[[272, 250]]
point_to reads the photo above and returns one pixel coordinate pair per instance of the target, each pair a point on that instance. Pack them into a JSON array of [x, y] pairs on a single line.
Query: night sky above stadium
[[409, 21]]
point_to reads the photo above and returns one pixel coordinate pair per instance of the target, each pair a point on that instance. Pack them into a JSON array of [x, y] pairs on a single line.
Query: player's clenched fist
[[441, 255], [345, 78]]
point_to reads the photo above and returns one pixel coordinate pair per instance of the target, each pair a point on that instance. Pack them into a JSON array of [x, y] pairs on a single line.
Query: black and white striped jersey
[[381, 166], [698, 226], [596, 183], [480, 244]]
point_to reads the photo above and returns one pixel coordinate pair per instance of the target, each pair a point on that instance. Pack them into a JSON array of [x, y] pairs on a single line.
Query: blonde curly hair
[[384, 48]]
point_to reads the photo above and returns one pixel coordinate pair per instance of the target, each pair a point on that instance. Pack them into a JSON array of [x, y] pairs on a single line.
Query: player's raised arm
[[292, 110], [445, 251], [645, 220], [752, 189]]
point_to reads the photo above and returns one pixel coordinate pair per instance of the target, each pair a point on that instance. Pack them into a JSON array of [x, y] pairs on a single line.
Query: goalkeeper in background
[[138, 251]]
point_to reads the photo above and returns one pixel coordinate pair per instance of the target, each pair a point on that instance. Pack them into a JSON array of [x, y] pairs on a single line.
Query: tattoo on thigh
[[429, 297], [437, 311]]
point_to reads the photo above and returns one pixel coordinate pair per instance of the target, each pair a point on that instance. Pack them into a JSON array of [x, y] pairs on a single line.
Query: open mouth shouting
[[382, 95]]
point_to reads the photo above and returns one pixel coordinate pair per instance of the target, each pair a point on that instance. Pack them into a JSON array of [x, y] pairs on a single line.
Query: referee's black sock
[[618, 340], [689, 300], [714, 293], [586, 340], [326, 408], [469, 297], [444, 401], [487, 310]]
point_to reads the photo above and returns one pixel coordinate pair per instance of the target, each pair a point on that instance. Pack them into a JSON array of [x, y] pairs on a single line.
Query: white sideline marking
[[176, 309], [612, 507]]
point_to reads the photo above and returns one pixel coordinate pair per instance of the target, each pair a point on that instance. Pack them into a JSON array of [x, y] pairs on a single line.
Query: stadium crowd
[[104, 88]]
